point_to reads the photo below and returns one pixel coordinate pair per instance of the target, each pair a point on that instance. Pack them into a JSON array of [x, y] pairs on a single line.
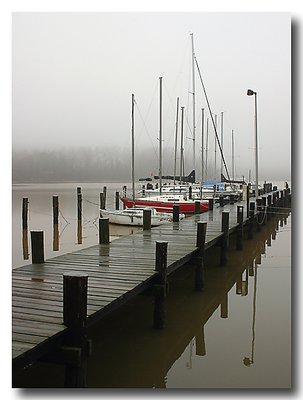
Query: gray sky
[[73, 75]]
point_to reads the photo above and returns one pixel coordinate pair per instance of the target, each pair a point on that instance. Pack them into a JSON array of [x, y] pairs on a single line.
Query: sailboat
[[133, 215], [164, 202]]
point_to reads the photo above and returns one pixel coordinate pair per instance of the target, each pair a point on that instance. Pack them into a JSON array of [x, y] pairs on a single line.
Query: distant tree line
[[82, 164]]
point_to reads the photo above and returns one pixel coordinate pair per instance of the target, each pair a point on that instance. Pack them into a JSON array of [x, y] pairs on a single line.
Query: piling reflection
[[128, 352]]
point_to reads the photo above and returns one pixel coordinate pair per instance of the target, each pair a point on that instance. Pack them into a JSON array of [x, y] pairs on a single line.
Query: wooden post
[[200, 243], [117, 200], [239, 234], [247, 200], [104, 195], [224, 306], [190, 192], [55, 223], [102, 201], [232, 199], [221, 200], [25, 228], [252, 206], [224, 238], [161, 268], [259, 215], [197, 207], [75, 317], [37, 242], [103, 230], [264, 207], [79, 215], [210, 204], [176, 213], [146, 219], [269, 200]]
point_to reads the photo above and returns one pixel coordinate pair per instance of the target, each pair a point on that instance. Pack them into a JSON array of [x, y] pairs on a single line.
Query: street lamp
[[251, 93]]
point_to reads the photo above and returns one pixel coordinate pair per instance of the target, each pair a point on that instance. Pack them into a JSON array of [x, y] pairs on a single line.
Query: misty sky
[[73, 75]]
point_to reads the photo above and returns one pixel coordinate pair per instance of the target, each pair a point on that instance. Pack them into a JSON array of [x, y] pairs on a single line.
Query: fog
[[73, 75]]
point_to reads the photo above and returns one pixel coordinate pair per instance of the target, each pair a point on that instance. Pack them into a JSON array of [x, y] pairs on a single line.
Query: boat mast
[[194, 102], [206, 150], [160, 137], [181, 149], [233, 154], [133, 148], [176, 141], [221, 142], [202, 146]]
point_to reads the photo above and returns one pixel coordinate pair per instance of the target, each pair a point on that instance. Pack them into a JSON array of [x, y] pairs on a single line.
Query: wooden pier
[[112, 274]]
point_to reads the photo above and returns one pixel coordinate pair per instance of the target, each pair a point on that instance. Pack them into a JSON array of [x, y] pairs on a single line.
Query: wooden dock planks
[[116, 273]]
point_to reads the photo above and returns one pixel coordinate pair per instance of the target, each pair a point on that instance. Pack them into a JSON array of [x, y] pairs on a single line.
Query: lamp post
[[251, 93]]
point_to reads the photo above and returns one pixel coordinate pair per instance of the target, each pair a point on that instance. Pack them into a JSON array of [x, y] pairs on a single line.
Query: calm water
[[235, 334]]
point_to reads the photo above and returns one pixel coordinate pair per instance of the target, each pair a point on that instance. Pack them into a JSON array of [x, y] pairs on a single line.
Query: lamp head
[[250, 92]]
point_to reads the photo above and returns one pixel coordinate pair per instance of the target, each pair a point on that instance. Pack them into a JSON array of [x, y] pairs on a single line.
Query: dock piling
[[146, 219], [161, 268], [75, 317], [37, 246], [79, 215], [224, 238], [55, 223], [200, 243], [176, 213], [103, 230], [239, 233], [25, 228]]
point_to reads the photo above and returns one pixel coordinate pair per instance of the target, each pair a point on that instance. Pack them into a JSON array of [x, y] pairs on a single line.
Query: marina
[[119, 271]]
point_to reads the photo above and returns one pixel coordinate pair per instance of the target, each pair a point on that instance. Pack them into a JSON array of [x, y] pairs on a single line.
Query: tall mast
[[233, 154], [215, 147], [202, 146], [133, 147], [160, 137], [206, 151], [221, 141], [176, 141], [181, 156], [194, 102]]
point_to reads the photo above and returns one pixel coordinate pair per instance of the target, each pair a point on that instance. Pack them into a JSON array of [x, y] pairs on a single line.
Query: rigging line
[[144, 125], [212, 118]]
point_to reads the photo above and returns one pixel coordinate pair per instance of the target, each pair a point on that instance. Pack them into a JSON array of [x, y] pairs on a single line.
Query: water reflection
[[142, 357], [129, 353]]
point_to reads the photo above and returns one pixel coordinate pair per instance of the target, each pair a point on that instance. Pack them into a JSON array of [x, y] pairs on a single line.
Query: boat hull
[[186, 207], [133, 217]]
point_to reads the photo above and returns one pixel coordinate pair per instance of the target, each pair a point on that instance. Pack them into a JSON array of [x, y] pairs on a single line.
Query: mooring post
[[25, 228], [269, 202], [224, 238], [210, 204], [224, 306], [200, 243], [247, 200], [239, 234], [103, 230], [75, 318], [197, 207], [259, 215], [252, 206], [117, 200], [160, 287], [79, 215], [55, 223], [264, 207], [37, 246], [104, 194], [232, 199], [190, 192], [176, 213], [147, 219], [221, 200], [102, 201]]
